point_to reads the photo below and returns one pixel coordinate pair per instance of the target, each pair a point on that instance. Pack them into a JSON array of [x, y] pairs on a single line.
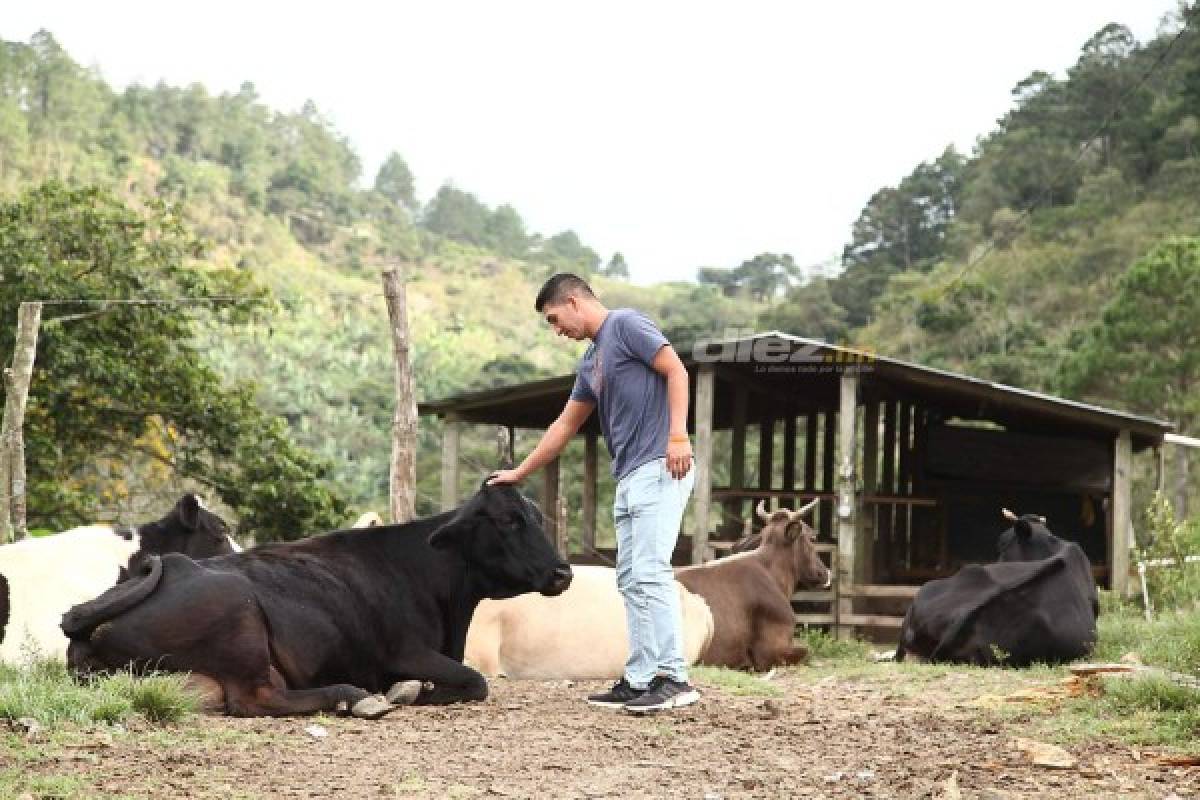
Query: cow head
[[1027, 540], [499, 534], [188, 528], [786, 534]]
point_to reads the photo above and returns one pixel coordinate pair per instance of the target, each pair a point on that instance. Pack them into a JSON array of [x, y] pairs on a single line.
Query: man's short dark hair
[[559, 288]]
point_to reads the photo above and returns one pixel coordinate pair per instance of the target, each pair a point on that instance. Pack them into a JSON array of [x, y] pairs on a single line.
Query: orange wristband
[[682, 438]]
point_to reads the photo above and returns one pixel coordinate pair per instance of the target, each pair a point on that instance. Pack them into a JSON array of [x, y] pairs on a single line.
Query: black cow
[[1036, 604], [322, 623]]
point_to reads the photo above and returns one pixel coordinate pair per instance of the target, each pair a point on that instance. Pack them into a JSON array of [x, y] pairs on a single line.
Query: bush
[[1176, 586]]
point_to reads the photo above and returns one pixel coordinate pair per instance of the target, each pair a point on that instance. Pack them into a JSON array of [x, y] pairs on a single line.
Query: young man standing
[[636, 380]]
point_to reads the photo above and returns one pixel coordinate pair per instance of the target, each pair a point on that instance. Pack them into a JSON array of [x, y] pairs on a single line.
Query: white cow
[[578, 635], [40, 579]]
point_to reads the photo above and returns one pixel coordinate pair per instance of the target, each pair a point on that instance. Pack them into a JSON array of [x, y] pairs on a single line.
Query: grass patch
[[1138, 711], [1171, 640], [1152, 693], [822, 645], [45, 691], [735, 681], [14, 783]]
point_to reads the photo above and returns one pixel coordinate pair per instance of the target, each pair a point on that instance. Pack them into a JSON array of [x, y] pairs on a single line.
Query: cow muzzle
[[559, 581]]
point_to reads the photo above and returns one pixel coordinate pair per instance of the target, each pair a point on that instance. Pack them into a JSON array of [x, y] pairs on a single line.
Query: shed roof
[[793, 374]]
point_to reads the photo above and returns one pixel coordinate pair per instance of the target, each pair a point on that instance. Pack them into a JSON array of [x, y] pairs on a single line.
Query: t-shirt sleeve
[[642, 337], [581, 392]]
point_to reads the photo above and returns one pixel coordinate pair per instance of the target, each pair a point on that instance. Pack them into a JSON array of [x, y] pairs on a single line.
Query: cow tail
[[4, 606], [951, 637], [81, 620]]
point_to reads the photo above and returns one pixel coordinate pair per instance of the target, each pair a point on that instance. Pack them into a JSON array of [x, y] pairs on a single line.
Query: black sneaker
[[616, 697], [663, 693]]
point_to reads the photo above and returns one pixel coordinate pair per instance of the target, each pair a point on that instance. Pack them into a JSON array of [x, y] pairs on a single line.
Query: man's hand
[[679, 458], [504, 477]]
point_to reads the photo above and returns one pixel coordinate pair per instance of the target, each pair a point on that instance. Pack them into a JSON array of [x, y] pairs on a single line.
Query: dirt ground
[[821, 737]]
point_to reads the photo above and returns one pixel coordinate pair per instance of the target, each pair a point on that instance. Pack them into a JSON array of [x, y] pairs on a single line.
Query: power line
[[990, 246]]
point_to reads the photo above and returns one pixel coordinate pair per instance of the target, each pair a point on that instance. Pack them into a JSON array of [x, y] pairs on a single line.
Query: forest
[[1062, 255]]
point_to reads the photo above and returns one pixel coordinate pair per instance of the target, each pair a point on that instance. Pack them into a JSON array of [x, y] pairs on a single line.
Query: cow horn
[[805, 509], [1008, 515], [1042, 520], [761, 510]]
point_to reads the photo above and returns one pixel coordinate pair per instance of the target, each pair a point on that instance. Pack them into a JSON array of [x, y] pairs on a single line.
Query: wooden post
[[450, 436], [737, 459], [12, 439], [828, 520], [789, 456], [847, 460], [703, 461], [1122, 522], [561, 542], [810, 452], [903, 533], [550, 499], [884, 563], [766, 452], [590, 478], [504, 447], [403, 483], [864, 560]]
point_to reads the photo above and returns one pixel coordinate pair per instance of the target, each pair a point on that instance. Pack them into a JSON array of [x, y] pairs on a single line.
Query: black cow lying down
[[326, 623], [1038, 603]]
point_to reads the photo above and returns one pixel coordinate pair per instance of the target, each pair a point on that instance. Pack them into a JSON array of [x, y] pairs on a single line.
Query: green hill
[[1000, 263]]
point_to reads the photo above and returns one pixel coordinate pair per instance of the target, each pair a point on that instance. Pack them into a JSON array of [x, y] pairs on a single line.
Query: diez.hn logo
[[771, 354]]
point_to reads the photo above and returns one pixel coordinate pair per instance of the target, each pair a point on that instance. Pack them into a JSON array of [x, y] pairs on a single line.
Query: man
[[633, 376]]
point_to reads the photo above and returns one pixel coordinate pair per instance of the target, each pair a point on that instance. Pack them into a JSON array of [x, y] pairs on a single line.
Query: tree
[[504, 232], [1144, 352], [617, 268], [767, 274], [807, 311], [901, 228], [566, 253], [457, 215], [125, 383], [762, 277], [723, 278], [395, 182]]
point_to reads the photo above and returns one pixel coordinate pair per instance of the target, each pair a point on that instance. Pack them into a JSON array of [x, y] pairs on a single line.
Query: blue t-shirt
[[616, 375]]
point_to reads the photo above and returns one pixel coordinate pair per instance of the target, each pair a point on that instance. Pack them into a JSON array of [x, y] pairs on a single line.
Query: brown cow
[[750, 593]]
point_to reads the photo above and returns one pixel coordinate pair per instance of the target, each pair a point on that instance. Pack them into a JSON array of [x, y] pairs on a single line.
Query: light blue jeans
[[647, 510]]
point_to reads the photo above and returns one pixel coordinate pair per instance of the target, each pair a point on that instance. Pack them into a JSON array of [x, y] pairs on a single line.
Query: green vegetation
[[46, 692], [1045, 258], [734, 681], [824, 646], [91, 408], [15, 783]]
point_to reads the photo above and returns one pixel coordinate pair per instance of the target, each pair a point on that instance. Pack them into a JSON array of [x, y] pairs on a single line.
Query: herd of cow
[[368, 619]]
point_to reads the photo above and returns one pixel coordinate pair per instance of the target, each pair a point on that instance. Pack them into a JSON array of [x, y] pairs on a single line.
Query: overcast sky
[[681, 134]]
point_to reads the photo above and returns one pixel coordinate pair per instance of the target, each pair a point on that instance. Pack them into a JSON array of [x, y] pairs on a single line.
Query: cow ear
[[189, 510]]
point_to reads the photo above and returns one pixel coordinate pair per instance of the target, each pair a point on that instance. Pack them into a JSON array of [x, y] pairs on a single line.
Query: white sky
[[681, 134]]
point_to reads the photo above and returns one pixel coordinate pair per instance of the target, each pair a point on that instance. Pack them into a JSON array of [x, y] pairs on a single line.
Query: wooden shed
[[911, 464]]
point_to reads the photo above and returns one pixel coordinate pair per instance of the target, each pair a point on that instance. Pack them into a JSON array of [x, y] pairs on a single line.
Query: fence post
[[403, 476], [12, 439]]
